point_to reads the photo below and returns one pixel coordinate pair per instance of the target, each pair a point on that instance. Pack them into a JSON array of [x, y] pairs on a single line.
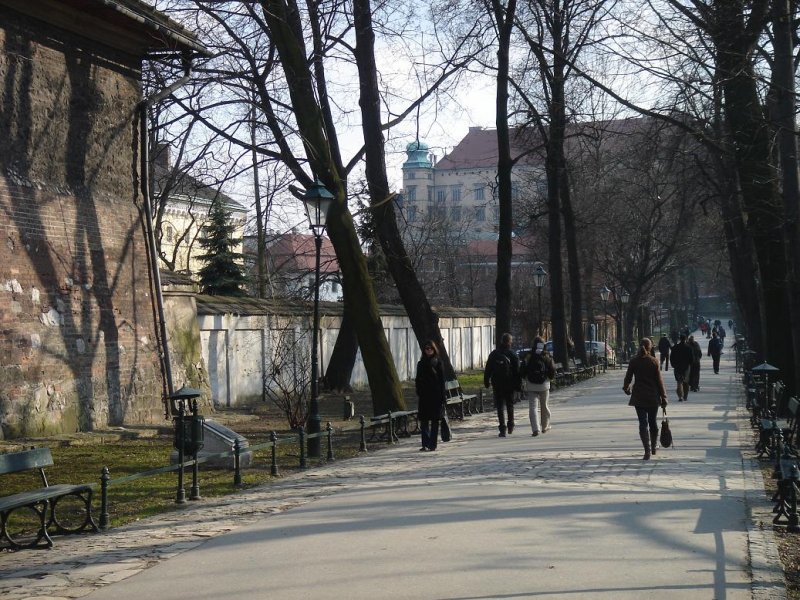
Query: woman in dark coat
[[647, 395], [431, 394]]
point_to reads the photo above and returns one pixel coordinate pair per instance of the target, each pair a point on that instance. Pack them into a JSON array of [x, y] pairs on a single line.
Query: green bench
[[43, 502]]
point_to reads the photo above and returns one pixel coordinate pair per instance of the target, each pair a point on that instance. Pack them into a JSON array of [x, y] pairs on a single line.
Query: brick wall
[[77, 341]]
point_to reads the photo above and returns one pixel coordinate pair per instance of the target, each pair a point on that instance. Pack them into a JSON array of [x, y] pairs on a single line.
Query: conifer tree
[[223, 272]]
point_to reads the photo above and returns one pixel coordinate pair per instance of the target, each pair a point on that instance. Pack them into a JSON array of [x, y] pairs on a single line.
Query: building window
[[441, 196], [515, 190], [412, 175], [412, 214], [479, 193], [430, 194], [411, 193], [455, 213], [455, 193], [480, 214], [170, 233], [335, 287], [495, 214]]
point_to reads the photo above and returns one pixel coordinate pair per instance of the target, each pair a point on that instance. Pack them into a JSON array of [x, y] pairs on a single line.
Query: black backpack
[[501, 370], [536, 369]]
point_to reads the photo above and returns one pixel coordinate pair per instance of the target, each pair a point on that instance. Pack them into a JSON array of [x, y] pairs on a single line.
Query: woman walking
[[647, 395], [431, 394]]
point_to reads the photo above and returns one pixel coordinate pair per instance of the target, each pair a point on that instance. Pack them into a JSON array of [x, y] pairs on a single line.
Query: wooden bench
[[563, 376], [583, 371], [42, 501]]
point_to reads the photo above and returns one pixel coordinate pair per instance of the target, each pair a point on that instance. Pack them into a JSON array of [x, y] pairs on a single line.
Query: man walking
[[715, 350], [537, 372], [502, 372], [664, 347], [681, 358]]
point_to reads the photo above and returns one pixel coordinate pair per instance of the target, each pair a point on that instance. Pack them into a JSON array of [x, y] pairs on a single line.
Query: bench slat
[[14, 462]]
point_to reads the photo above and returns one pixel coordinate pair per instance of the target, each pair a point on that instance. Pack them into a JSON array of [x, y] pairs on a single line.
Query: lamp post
[[624, 297], [604, 294], [317, 201], [539, 279]]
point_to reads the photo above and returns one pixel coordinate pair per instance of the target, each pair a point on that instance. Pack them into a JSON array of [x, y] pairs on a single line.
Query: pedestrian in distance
[[697, 354], [715, 351], [721, 334], [647, 395], [537, 371], [664, 346], [680, 359], [502, 372], [432, 400]]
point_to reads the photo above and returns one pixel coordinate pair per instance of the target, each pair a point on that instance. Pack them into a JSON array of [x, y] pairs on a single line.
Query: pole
[[539, 328], [605, 339], [314, 421]]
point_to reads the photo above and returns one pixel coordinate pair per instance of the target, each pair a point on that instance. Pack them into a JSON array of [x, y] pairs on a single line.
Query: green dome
[[417, 156], [416, 145]]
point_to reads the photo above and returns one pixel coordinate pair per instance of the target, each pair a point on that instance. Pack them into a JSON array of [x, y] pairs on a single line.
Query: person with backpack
[[664, 346], [537, 371], [681, 357], [502, 372], [715, 351]]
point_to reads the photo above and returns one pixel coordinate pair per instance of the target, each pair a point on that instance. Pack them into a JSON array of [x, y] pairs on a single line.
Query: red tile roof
[[296, 252]]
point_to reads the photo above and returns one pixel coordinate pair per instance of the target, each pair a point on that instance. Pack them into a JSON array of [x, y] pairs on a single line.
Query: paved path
[[574, 513]]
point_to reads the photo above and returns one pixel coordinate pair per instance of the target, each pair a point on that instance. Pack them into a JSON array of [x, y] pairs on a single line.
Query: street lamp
[[317, 201], [539, 279], [604, 294], [624, 297]]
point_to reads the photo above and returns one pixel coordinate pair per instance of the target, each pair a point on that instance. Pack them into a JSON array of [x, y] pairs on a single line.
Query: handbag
[[444, 427], [666, 432]]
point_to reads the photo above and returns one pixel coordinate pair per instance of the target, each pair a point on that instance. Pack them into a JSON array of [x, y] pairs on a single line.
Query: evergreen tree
[[221, 275]]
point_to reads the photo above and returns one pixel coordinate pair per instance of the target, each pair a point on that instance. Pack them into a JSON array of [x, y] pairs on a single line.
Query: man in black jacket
[[681, 357], [502, 372], [664, 347]]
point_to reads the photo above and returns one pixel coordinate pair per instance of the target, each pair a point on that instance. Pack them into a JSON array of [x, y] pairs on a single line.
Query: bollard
[[104, 478], [302, 448], [794, 523], [273, 469], [329, 429], [390, 429], [779, 455], [363, 446], [480, 400], [237, 470]]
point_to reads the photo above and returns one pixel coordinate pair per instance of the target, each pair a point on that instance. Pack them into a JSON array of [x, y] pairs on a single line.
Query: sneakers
[[546, 429], [501, 434], [535, 433], [510, 427]]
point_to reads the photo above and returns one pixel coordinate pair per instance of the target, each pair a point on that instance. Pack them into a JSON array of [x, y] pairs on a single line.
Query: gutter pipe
[[144, 106]]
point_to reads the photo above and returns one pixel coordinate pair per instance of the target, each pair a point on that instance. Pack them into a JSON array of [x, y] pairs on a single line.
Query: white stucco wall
[[237, 349]]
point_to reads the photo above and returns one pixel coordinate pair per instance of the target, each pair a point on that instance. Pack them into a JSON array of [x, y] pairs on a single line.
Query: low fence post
[[302, 448], [329, 429], [273, 469], [363, 446], [237, 471], [480, 400], [794, 522], [104, 479], [390, 429]]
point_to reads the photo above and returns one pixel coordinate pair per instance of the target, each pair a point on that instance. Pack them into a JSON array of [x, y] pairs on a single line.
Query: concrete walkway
[[574, 513]]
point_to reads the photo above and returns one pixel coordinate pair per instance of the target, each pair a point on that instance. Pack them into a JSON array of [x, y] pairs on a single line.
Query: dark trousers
[[715, 360], [504, 403], [665, 361], [430, 432], [647, 418]]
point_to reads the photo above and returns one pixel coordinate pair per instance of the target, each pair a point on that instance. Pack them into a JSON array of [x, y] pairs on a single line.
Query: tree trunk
[[573, 262], [784, 93], [765, 218], [343, 357], [505, 21], [424, 321], [283, 21]]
